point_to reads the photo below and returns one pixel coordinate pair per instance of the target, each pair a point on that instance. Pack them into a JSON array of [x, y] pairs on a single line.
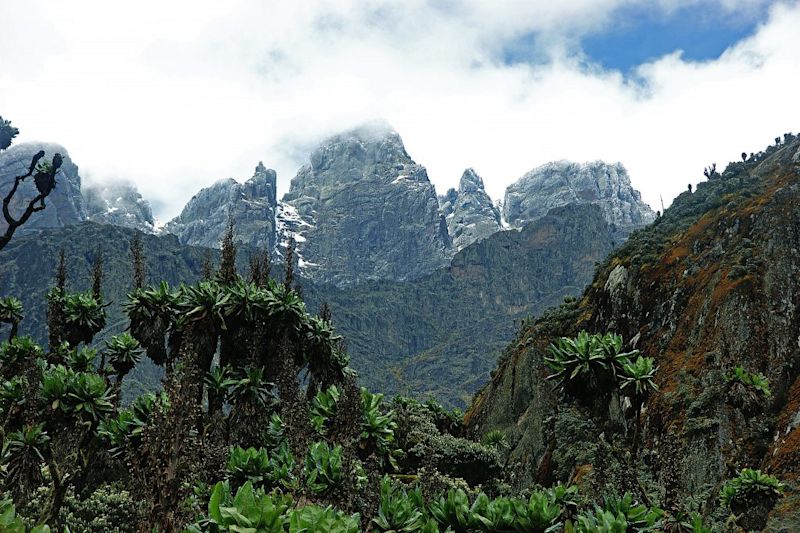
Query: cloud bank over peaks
[[176, 96]]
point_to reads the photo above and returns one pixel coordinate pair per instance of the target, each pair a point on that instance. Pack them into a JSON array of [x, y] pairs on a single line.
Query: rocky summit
[[368, 210], [563, 182], [469, 211], [252, 205], [64, 204], [118, 203]]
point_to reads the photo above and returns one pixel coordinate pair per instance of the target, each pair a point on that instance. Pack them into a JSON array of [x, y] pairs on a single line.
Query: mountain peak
[[118, 203], [470, 213], [369, 210], [204, 219], [470, 182], [364, 148], [563, 182]]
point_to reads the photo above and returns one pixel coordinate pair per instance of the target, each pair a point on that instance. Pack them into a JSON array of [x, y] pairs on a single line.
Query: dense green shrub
[[323, 467], [253, 510], [248, 465], [249, 510], [377, 426], [748, 486], [400, 510], [496, 438], [620, 515], [588, 364], [123, 352], [323, 409]]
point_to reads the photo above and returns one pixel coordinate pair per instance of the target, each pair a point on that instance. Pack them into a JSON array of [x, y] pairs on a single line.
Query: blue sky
[[640, 35], [637, 34], [176, 95]]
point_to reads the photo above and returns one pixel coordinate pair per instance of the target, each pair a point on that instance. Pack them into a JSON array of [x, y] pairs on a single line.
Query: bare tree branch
[[45, 180]]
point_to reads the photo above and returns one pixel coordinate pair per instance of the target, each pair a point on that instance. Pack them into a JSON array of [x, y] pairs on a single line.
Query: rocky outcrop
[[118, 203], [368, 209], [712, 285], [562, 182], [469, 211], [252, 205], [64, 204]]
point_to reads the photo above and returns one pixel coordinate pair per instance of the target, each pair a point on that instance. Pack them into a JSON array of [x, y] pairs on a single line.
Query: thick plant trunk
[[50, 514]]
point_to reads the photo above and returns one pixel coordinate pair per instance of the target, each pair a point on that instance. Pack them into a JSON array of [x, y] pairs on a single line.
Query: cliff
[[711, 285]]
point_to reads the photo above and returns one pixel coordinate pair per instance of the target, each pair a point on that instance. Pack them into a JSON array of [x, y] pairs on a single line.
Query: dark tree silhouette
[[227, 266], [710, 172], [259, 267], [44, 177], [55, 312], [325, 312], [288, 280], [97, 275], [207, 266], [137, 256]]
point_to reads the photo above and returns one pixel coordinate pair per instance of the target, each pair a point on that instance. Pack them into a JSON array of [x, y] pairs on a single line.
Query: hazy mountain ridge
[[564, 182], [114, 202], [361, 209]]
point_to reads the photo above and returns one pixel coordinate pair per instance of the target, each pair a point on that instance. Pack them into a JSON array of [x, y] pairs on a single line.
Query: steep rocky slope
[[469, 211], [563, 182], [64, 204], [441, 334], [369, 210], [711, 285], [252, 205]]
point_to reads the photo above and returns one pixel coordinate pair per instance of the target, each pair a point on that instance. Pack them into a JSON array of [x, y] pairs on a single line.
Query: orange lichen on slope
[[784, 456], [792, 406]]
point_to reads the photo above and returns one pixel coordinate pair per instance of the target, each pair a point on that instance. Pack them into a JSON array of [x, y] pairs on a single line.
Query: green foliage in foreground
[[251, 509], [404, 510], [324, 468], [11, 523]]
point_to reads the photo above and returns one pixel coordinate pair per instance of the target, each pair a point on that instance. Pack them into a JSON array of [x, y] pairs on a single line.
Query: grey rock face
[[562, 182], [118, 204], [64, 204], [470, 213], [368, 210], [252, 204]]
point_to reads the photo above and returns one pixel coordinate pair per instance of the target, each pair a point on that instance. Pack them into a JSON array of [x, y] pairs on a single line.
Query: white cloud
[[175, 95]]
